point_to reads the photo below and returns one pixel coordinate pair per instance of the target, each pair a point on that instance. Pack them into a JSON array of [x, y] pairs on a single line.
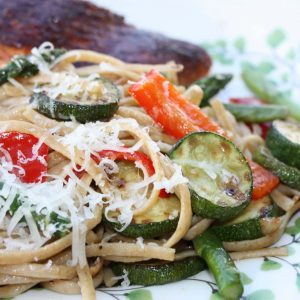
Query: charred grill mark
[[79, 24], [232, 190]]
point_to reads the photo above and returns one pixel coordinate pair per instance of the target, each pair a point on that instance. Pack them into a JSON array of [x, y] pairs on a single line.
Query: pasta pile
[[78, 262]]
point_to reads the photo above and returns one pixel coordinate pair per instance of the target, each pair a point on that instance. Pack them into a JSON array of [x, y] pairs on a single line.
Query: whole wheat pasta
[[53, 262]]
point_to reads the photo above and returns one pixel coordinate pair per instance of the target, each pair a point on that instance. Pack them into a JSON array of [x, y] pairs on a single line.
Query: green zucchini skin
[[247, 230], [160, 272], [257, 113], [155, 222], [227, 276], [211, 85], [205, 208], [146, 230], [287, 174], [62, 111], [247, 225], [281, 146], [102, 110], [214, 150]]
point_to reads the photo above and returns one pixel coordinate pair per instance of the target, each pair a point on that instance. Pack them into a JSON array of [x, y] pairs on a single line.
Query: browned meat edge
[[78, 24]]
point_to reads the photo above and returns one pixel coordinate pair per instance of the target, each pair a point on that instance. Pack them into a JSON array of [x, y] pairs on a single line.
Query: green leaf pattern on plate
[[261, 295], [269, 265], [139, 295], [276, 38], [245, 278]]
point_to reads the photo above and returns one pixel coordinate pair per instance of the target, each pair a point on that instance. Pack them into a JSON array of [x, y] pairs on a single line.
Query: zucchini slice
[[254, 222], [160, 220], [283, 140], [220, 178], [227, 276], [159, 272], [287, 174], [85, 99], [257, 113]]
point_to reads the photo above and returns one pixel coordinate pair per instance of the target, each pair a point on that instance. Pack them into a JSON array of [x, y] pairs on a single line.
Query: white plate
[[208, 21]]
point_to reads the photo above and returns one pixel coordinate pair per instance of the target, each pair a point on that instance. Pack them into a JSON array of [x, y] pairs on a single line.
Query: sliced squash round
[[72, 97], [158, 221], [283, 140], [220, 178], [159, 272]]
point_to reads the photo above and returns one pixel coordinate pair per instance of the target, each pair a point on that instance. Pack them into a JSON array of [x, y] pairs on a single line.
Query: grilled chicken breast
[[78, 24]]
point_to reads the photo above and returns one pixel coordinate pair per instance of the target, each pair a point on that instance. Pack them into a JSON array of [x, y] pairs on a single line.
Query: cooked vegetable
[[18, 67], [156, 273], [42, 220], [265, 126], [257, 113], [219, 175], [267, 90], [53, 54], [287, 174], [24, 153], [127, 156], [227, 276], [284, 142], [32, 160], [264, 182], [160, 220], [168, 108], [250, 224], [211, 85], [21, 66], [96, 100]]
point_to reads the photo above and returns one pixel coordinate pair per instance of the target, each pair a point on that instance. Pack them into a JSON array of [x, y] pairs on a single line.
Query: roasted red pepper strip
[[128, 156], [132, 157], [21, 148], [178, 117], [168, 108], [263, 181]]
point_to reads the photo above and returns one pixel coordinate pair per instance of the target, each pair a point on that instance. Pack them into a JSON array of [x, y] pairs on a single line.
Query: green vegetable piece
[[20, 66], [257, 113], [288, 175], [212, 85], [259, 218], [219, 176], [63, 108], [42, 220], [158, 272], [160, 220], [283, 140], [208, 246], [267, 90], [52, 55]]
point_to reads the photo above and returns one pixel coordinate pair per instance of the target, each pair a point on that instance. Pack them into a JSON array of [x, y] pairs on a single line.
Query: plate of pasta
[[119, 182]]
